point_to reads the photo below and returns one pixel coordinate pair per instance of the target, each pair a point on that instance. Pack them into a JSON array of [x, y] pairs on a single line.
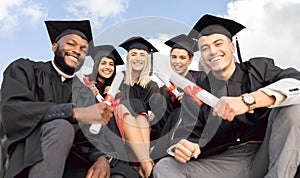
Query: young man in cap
[[238, 143], [181, 56], [37, 113]]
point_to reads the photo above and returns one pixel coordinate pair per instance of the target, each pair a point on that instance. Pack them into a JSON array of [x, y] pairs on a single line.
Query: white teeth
[[73, 58], [215, 59], [106, 72]]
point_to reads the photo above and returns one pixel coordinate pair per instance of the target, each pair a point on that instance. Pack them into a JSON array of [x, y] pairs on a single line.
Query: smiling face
[[106, 67], [217, 52], [138, 59], [180, 61], [72, 48]]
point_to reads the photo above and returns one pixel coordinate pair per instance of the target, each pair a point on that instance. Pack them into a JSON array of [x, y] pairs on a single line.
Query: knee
[[290, 114], [59, 130], [161, 168]]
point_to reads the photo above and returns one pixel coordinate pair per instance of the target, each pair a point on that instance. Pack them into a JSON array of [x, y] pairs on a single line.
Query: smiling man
[[38, 116], [252, 94]]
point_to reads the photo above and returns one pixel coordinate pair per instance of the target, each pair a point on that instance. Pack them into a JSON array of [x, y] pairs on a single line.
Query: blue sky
[[23, 33]]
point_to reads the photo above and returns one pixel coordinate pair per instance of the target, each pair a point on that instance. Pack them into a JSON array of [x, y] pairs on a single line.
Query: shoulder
[[198, 76], [25, 65], [20, 64], [260, 61], [197, 73]]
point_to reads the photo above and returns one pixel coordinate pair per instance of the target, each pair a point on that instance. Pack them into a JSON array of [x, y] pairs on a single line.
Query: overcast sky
[[272, 25]]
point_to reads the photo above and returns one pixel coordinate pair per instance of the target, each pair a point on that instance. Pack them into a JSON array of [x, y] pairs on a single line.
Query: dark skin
[[100, 169], [74, 49]]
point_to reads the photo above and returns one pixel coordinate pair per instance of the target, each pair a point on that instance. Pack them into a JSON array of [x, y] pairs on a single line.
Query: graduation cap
[[138, 42], [58, 29], [183, 42], [209, 24], [97, 52]]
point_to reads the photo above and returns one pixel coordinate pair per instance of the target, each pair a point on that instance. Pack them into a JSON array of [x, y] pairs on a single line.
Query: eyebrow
[[217, 40]]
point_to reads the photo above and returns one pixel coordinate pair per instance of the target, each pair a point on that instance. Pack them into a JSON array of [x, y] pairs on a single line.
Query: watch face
[[249, 99]]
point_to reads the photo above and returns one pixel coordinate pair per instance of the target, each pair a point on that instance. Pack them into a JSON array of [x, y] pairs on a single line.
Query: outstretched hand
[[229, 107], [100, 169], [97, 113]]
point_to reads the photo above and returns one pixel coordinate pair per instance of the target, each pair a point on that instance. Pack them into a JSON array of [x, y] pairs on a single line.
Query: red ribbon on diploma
[[192, 93], [170, 89], [119, 121], [88, 82]]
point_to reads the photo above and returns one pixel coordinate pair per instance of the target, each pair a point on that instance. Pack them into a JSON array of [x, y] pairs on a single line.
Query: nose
[[76, 49], [212, 50]]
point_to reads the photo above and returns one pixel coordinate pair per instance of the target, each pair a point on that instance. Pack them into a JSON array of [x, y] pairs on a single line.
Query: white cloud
[[97, 10], [13, 12], [272, 29]]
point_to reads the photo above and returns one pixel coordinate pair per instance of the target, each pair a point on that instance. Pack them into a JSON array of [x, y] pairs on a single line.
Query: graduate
[[110, 143], [106, 58], [252, 94], [181, 56], [38, 116], [139, 93]]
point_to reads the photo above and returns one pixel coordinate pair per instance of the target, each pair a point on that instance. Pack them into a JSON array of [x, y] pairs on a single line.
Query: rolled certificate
[[95, 128], [197, 91]]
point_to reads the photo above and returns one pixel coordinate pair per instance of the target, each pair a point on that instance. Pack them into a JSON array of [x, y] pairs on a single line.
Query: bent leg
[[234, 163], [56, 140], [284, 152]]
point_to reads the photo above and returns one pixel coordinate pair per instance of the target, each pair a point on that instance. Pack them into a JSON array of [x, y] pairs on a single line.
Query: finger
[[197, 151], [183, 152], [225, 114], [231, 116], [179, 158], [90, 173]]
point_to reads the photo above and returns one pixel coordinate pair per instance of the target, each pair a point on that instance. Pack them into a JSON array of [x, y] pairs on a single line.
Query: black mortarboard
[[97, 52], [58, 29], [209, 24], [183, 42], [138, 43]]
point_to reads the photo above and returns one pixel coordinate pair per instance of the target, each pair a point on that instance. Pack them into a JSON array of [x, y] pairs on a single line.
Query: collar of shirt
[[64, 76]]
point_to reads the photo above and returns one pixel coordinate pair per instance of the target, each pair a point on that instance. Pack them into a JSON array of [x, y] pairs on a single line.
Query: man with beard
[[38, 116]]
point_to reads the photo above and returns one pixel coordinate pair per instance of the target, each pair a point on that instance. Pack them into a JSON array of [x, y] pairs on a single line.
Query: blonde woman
[[137, 91]]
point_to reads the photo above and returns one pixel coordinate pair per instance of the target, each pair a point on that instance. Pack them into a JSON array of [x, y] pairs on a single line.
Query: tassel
[[238, 50]]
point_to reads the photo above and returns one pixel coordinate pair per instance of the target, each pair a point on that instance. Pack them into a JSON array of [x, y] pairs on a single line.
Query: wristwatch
[[249, 100]]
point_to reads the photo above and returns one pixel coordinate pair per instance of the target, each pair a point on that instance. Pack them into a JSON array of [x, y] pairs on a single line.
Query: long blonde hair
[[144, 77]]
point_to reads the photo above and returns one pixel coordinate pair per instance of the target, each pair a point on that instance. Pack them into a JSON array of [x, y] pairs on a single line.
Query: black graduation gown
[[107, 142], [138, 99], [33, 93], [174, 105], [28, 91], [167, 125], [259, 73]]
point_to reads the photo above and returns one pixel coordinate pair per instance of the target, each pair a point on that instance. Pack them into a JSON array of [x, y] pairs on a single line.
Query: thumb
[[197, 151]]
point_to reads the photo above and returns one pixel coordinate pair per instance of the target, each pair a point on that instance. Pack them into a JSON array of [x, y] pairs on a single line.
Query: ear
[[232, 47], [190, 60], [54, 47]]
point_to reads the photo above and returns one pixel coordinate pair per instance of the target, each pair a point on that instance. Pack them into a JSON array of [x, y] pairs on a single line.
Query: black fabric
[[183, 42], [209, 24], [32, 93], [138, 42], [166, 126], [57, 29], [97, 52], [261, 72]]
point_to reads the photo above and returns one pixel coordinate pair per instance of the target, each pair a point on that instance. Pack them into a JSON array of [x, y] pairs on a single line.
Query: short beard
[[61, 63]]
